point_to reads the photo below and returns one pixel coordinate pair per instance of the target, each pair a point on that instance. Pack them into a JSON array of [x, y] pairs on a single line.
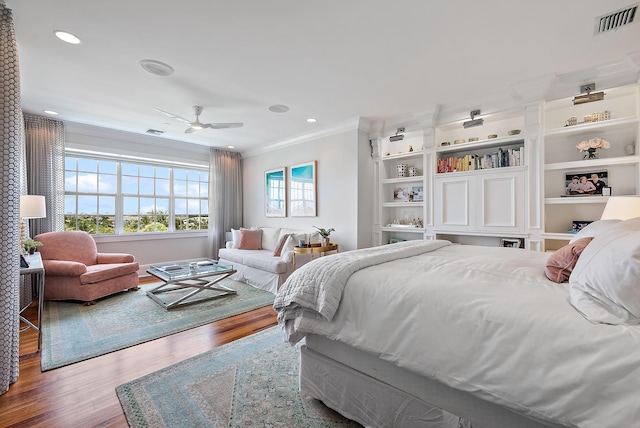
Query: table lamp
[[31, 206], [621, 208]]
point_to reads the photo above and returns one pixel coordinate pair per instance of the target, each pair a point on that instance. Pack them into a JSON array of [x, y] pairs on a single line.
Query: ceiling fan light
[[197, 127]]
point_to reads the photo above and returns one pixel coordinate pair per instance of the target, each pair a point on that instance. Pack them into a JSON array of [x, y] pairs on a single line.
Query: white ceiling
[[333, 60]]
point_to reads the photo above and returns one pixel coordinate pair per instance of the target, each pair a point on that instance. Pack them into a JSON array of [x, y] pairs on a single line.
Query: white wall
[[341, 160]]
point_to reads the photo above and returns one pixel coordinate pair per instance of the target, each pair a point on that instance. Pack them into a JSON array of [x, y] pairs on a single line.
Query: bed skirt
[[380, 394]]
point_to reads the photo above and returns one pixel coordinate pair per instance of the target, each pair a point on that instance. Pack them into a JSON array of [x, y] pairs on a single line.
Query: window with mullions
[[114, 197], [146, 192], [90, 187], [191, 191]]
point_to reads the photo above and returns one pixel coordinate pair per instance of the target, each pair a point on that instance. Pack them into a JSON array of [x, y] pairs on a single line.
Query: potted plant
[[31, 244], [325, 235]]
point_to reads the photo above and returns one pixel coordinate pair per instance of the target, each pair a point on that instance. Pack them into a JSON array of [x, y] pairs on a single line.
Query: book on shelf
[[471, 162]]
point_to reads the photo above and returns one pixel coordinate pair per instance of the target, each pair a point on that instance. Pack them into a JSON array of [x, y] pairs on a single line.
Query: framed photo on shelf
[[577, 225], [511, 242], [400, 194], [418, 193], [590, 183]]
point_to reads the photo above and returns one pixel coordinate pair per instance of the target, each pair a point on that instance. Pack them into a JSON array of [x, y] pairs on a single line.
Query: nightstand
[[313, 251], [35, 268]]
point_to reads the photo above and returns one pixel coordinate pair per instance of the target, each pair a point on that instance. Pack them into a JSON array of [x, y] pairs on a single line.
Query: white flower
[[594, 143]]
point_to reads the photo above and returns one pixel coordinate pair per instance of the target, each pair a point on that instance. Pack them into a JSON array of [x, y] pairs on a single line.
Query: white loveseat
[[260, 267]]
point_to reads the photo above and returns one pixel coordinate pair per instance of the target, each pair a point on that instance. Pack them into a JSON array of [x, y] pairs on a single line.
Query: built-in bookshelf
[[508, 178], [614, 119], [402, 189]]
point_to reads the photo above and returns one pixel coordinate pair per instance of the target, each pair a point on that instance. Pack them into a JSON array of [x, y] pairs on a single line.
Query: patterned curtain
[[44, 139], [225, 196], [10, 180]]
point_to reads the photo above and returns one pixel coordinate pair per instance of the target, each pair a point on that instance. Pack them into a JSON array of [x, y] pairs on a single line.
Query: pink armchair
[[74, 270]]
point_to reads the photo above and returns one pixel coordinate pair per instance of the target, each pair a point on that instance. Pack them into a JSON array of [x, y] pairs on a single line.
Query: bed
[[429, 333]]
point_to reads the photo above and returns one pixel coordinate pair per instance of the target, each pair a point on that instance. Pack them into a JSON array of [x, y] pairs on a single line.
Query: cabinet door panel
[[452, 196], [501, 199]]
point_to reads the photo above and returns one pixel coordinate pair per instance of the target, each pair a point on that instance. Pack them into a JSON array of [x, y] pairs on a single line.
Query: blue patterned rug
[[72, 332], [252, 382]]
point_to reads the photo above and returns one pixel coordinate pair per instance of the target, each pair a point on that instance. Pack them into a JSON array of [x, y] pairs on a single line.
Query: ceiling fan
[[197, 125]]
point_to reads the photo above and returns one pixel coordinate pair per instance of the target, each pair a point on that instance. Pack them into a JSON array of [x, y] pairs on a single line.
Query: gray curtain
[[44, 139], [225, 196], [10, 182]]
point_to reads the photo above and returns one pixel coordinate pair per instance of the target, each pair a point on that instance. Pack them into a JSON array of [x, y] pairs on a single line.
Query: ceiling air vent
[[615, 20], [154, 132]]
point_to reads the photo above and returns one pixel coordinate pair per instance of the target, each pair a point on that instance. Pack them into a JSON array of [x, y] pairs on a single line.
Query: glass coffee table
[[197, 274]]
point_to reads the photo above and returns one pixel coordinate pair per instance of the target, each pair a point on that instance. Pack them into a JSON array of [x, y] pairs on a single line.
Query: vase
[[325, 242], [591, 154], [401, 169]]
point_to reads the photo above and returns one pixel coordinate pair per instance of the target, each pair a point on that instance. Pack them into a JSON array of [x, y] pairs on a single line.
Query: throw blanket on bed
[[316, 288]]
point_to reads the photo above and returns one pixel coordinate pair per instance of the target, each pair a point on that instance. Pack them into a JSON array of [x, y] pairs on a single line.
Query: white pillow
[[270, 237], [293, 241], [605, 283], [235, 238], [593, 229]]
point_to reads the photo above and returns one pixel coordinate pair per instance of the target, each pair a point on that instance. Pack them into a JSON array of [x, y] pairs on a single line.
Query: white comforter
[[484, 320]]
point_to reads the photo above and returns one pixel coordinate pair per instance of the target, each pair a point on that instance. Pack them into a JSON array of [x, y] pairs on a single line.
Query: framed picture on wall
[[275, 192], [303, 190]]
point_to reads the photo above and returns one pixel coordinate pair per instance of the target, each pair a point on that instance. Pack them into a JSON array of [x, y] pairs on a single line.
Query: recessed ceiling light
[[156, 67], [278, 108], [50, 112], [67, 37], [231, 147], [311, 120]]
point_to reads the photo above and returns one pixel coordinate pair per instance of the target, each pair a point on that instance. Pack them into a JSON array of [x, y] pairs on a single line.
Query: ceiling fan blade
[[181, 119], [223, 125], [189, 130]]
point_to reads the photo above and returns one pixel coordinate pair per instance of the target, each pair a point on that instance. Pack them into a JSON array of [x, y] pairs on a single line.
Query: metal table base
[[199, 285]]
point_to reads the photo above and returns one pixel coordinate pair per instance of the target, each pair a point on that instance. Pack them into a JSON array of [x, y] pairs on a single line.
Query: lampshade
[[32, 206], [621, 208]]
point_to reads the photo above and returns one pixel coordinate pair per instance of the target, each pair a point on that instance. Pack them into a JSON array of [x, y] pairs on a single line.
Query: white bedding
[[487, 321]]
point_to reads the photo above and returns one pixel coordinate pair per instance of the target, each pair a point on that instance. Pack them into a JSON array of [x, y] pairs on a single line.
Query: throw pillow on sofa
[[283, 240], [250, 239]]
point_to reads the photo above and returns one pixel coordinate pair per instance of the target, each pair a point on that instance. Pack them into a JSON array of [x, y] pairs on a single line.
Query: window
[[107, 196]]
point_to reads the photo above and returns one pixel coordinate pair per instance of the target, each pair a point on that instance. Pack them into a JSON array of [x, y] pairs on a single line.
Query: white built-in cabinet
[[620, 162], [477, 203], [524, 199], [402, 200]]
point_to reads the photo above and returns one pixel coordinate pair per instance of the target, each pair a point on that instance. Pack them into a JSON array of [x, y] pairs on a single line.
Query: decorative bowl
[[459, 141], [445, 143], [492, 136], [514, 132], [472, 139]]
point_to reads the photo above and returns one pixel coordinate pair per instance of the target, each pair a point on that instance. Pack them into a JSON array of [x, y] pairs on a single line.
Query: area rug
[[252, 382], [72, 332]]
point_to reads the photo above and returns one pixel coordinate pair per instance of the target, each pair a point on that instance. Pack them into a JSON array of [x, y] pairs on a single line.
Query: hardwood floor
[[83, 394]]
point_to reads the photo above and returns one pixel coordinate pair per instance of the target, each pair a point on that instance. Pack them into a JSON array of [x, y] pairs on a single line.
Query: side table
[[35, 268], [313, 251]]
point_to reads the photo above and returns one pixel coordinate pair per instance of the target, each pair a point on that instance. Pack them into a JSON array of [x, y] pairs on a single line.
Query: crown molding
[[354, 124]]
